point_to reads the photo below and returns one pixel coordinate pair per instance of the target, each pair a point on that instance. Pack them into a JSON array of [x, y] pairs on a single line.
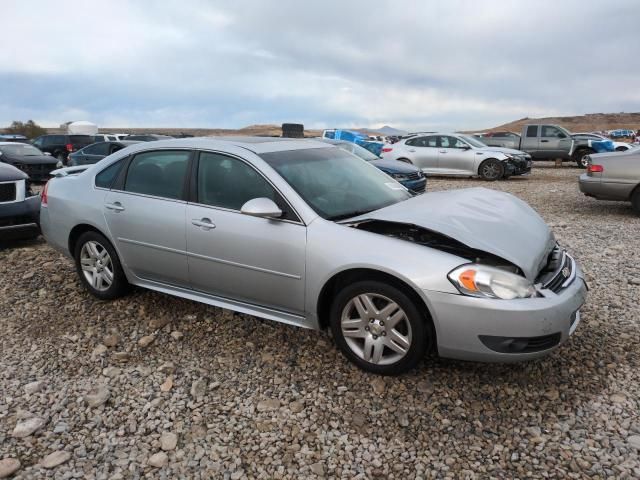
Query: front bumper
[[465, 326], [419, 185], [20, 219]]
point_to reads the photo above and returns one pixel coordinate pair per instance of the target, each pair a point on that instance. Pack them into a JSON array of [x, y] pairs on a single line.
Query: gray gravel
[[154, 386]]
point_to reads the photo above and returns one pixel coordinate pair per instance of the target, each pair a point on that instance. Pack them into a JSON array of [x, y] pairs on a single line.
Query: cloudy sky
[[409, 64]]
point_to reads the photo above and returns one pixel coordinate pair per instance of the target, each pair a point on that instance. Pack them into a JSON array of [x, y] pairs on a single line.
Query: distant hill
[[581, 123]]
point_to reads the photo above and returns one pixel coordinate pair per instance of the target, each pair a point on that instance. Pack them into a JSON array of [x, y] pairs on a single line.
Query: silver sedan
[[456, 154], [307, 234]]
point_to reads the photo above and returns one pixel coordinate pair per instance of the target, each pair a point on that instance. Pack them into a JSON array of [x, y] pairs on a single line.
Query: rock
[[634, 281], [268, 405], [358, 419], [634, 441], [158, 460], [33, 387], [111, 340], [111, 372], [97, 396], [98, 351], [199, 388], [168, 441], [552, 394], [56, 458], [296, 406], [146, 340], [618, 398], [168, 383], [158, 323], [26, 427], [28, 275], [318, 469], [167, 368], [121, 356], [378, 385], [9, 466], [176, 335], [403, 419]]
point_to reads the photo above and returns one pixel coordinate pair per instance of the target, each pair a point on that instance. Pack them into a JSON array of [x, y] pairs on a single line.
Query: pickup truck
[[548, 142]]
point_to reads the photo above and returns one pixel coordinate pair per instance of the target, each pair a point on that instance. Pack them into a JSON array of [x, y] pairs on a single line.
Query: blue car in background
[[408, 175]]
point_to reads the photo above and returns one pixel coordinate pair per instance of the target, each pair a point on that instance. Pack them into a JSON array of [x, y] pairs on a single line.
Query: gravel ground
[[154, 386]]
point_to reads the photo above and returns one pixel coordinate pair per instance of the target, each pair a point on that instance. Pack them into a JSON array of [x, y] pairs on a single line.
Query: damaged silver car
[[308, 234]]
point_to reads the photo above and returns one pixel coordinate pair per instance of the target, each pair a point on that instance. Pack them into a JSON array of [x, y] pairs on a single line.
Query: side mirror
[[465, 147], [261, 207], [47, 153], [562, 135]]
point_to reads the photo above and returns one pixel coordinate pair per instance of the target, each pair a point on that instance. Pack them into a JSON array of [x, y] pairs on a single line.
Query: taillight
[[69, 147], [595, 169], [43, 195], [387, 149]]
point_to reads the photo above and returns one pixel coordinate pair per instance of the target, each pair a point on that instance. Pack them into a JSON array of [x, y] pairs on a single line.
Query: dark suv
[[60, 146]]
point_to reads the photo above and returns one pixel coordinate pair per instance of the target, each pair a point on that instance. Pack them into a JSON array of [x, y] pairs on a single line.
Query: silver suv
[[456, 154]]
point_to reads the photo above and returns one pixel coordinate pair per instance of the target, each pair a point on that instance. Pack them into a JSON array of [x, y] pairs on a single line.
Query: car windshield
[[21, 150], [335, 183], [474, 142], [361, 152]]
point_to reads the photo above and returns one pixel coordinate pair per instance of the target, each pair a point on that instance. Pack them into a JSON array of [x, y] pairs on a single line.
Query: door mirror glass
[[562, 135], [261, 207]]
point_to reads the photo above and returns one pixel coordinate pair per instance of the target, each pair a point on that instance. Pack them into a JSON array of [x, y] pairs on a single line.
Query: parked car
[[11, 137], [152, 137], [19, 205], [456, 154], [618, 146], [97, 151], [36, 164], [104, 137], [353, 136], [613, 176], [408, 175], [60, 146], [621, 133], [307, 234], [548, 142]]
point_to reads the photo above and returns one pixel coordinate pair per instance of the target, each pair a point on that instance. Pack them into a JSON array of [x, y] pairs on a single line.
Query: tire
[[635, 200], [405, 160], [90, 253], [621, 149], [374, 344], [491, 170], [580, 156]]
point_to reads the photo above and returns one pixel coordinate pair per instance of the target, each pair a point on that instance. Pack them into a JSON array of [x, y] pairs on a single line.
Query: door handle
[[443, 151], [205, 223], [115, 206], [544, 141], [411, 150]]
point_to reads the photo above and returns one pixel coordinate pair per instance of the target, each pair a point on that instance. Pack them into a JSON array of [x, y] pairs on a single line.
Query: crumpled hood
[[506, 150], [484, 219]]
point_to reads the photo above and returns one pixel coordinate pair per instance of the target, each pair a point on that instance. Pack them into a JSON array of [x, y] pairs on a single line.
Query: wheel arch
[[77, 231], [331, 287]]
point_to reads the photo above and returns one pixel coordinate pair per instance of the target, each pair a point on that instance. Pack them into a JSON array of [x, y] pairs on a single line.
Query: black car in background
[[12, 137], [19, 206], [150, 137], [96, 152], [60, 146], [29, 159]]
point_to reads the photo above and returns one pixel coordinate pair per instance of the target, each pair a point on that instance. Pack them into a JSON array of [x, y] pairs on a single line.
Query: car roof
[[256, 145], [14, 143]]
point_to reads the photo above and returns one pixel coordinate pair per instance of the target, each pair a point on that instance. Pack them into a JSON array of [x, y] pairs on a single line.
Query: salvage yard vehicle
[[617, 146], [549, 142], [456, 154], [19, 205], [409, 176], [29, 159], [307, 234], [60, 146], [613, 176], [97, 151]]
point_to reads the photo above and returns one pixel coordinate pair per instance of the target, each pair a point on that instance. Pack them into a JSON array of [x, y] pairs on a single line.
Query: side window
[[38, 142], [455, 142], [58, 140], [229, 183], [532, 131], [112, 138], [48, 141], [553, 132], [445, 142], [430, 141], [411, 142], [115, 148], [107, 176], [98, 138], [159, 173], [97, 149]]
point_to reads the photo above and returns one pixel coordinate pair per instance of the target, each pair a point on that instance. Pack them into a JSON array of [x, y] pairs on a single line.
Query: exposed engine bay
[[438, 241]]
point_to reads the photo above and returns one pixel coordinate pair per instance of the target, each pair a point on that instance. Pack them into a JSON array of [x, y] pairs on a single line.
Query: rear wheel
[[581, 155], [379, 328], [98, 267], [491, 170]]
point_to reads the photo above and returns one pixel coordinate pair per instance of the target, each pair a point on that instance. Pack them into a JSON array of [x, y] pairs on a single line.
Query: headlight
[[490, 282], [401, 177], [59, 164]]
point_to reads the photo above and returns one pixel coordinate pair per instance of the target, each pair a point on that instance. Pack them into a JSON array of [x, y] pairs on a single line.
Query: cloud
[[453, 64]]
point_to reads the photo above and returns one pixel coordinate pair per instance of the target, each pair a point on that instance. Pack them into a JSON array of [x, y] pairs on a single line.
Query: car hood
[[9, 173], [394, 166], [505, 150], [34, 160], [483, 219]]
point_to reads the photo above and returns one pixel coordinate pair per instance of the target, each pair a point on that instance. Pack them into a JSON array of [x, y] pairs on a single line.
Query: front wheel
[[379, 328], [98, 267], [491, 170]]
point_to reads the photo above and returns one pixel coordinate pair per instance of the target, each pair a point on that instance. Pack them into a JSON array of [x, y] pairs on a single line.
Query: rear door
[[236, 256], [424, 152], [530, 142], [145, 212], [455, 157]]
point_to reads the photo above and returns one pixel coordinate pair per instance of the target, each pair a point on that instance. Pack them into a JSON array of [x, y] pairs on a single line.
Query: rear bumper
[[601, 189], [479, 329], [20, 219]]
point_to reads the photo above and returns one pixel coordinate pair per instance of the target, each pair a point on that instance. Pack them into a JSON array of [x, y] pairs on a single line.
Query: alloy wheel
[[490, 170], [376, 329], [96, 265]]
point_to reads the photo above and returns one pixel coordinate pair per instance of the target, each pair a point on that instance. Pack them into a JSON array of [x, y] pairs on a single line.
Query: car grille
[[8, 192], [559, 271], [414, 176], [36, 170]]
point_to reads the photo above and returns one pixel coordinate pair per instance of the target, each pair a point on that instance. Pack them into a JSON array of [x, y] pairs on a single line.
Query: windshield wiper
[[344, 216]]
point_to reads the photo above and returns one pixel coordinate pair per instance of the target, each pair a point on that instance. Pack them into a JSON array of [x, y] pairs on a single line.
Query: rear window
[[81, 139], [107, 176]]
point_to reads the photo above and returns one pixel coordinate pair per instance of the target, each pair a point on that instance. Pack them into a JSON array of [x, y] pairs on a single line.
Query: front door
[[455, 157], [146, 216], [554, 143], [232, 255]]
